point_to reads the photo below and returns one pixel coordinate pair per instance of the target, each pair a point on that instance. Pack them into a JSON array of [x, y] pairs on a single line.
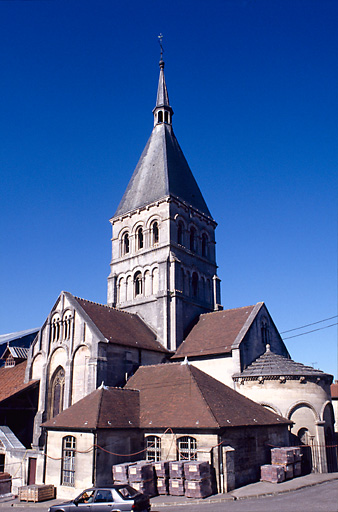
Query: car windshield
[[127, 492]]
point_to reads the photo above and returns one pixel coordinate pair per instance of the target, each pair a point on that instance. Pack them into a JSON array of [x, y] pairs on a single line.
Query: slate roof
[[218, 332], [181, 396], [270, 364], [162, 170], [12, 380], [120, 327], [103, 408]]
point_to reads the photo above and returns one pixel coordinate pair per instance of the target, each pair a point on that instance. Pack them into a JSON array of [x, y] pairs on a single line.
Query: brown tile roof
[[103, 408], [216, 332], [334, 390], [120, 327], [12, 380], [182, 396]]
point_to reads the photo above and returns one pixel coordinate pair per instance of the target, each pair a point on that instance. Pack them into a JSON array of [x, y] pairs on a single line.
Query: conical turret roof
[[162, 170]]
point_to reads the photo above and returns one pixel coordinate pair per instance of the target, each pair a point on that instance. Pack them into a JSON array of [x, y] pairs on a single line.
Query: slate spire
[[162, 170], [162, 111]]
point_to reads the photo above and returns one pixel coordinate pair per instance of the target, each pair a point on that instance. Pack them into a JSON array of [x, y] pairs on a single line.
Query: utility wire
[[308, 325], [307, 332]]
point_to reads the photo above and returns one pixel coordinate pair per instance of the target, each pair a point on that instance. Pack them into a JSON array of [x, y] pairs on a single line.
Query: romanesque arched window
[[180, 230], [160, 116], [265, 332], [204, 245], [154, 233], [186, 448], [166, 116], [192, 240], [55, 328], [153, 448], [138, 283], [139, 238], [67, 322], [194, 284], [125, 243], [57, 392], [68, 461]]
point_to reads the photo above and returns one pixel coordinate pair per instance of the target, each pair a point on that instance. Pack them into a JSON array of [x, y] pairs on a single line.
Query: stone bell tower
[[163, 263]]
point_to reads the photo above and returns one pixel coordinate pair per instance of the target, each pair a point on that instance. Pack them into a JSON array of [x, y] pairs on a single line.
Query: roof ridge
[[106, 306], [230, 309]]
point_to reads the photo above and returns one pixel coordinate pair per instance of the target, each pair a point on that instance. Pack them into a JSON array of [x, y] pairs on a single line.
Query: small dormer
[[14, 355]]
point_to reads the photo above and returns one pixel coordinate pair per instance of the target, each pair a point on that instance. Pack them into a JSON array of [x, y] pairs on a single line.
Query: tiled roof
[[179, 395], [334, 390], [120, 327], [217, 332], [12, 380], [103, 408], [270, 364]]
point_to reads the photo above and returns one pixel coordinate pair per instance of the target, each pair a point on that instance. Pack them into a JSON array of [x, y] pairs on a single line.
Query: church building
[[94, 371]]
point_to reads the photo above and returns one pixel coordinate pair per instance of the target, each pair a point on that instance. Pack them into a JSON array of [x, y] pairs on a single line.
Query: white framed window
[[68, 461], [186, 448], [153, 448]]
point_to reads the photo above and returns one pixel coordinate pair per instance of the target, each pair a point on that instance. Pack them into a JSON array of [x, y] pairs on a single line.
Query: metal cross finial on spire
[[160, 37]]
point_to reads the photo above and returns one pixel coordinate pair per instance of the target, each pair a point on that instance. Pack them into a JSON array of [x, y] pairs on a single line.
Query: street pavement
[[256, 490]]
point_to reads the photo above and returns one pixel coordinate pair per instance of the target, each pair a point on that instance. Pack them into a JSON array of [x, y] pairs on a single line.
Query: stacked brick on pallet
[[121, 472], [197, 479], [176, 478], [5, 483], [285, 464], [161, 469], [142, 478]]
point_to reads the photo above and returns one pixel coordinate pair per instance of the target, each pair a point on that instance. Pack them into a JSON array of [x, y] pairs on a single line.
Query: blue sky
[[253, 87]]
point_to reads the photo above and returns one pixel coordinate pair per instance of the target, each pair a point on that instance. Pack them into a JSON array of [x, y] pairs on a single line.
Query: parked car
[[117, 497]]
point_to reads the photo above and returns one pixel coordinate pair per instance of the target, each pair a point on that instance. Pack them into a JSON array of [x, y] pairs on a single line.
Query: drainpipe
[[45, 457], [94, 459]]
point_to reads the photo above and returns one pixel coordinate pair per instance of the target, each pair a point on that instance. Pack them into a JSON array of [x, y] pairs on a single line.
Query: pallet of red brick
[[284, 455], [176, 486], [297, 456], [176, 469], [161, 468], [288, 468], [121, 472], [141, 470], [297, 469], [198, 488], [162, 485], [273, 473], [146, 487], [194, 470]]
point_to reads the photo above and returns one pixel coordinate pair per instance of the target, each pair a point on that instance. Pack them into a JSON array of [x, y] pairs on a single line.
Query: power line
[[313, 323], [308, 332]]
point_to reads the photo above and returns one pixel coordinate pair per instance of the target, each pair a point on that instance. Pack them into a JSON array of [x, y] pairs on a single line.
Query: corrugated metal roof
[[5, 338], [9, 440]]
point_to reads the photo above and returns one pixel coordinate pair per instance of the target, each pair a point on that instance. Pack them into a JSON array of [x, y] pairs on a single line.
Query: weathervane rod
[[160, 37]]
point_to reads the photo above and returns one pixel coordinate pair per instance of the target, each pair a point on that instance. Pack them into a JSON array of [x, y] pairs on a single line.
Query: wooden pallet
[[36, 493]]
